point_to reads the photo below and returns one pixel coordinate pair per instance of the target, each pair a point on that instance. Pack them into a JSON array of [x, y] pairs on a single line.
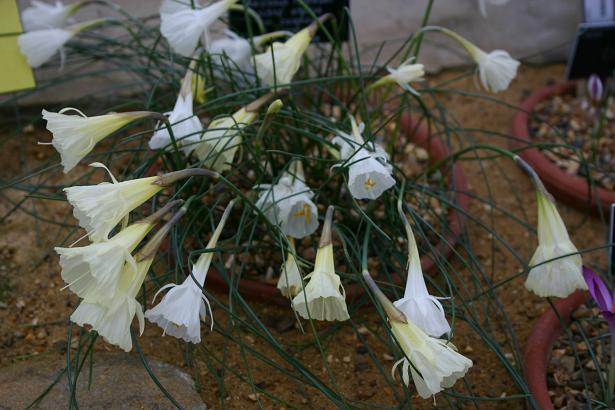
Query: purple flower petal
[[598, 290]]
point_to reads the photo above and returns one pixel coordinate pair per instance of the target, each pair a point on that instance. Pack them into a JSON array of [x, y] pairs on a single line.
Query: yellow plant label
[[15, 72]]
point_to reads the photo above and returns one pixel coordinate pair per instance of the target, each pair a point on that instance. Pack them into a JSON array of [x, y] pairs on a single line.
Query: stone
[[119, 381]]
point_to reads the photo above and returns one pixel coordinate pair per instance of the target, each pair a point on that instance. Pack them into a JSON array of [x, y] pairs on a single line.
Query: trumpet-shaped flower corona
[[417, 305], [369, 172], [323, 298], [552, 273], [403, 75], [99, 208], [181, 310], [235, 48], [279, 63], [496, 69], [42, 16], [112, 318], [434, 364], [220, 141], [186, 126], [92, 271], [183, 26], [289, 204], [290, 282], [555, 275], [40, 45], [74, 136]]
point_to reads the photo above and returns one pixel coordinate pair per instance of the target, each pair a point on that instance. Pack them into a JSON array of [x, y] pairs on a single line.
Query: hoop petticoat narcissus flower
[[41, 16], [279, 63], [112, 318], [323, 298], [92, 271], [403, 75], [220, 141], [434, 364], [418, 305], [369, 172], [496, 69], [74, 136], [552, 273], [290, 282], [181, 310], [186, 126], [183, 26], [40, 45], [235, 48], [289, 204], [99, 208]]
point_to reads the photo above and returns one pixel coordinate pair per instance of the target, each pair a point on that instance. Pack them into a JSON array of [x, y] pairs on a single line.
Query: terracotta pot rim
[[539, 344], [570, 189], [417, 133]]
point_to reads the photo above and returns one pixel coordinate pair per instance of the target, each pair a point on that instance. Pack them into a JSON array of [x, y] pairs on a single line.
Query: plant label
[[291, 15], [593, 51], [15, 72]]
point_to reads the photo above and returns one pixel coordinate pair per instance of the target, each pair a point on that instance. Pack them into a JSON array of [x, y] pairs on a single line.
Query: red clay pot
[[538, 346], [418, 134], [570, 189]]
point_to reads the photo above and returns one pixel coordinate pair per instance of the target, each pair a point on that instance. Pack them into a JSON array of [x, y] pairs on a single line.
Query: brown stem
[[313, 28], [150, 248], [325, 236], [392, 312], [172, 177], [155, 217]]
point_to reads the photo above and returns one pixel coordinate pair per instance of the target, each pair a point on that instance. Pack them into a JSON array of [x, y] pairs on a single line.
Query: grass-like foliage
[[329, 91]]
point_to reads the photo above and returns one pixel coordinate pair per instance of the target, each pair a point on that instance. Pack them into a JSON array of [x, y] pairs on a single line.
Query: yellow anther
[[369, 183], [305, 212]]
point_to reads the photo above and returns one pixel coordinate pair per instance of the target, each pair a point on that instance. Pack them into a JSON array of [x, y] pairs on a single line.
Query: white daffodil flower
[[92, 271], [181, 310], [323, 298], [40, 45], [279, 63], [74, 136], [183, 26], [552, 274], [289, 204], [434, 364], [112, 318], [403, 75], [235, 48], [417, 304], [369, 172], [554, 277], [99, 208], [496, 69], [220, 141], [290, 282], [482, 5], [186, 126], [42, 16]]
